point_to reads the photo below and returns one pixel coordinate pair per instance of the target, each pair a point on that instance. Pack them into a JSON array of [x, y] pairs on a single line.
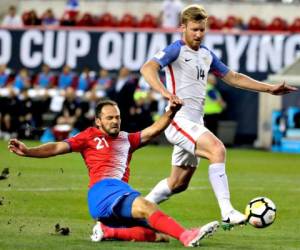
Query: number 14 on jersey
[[200, 73]]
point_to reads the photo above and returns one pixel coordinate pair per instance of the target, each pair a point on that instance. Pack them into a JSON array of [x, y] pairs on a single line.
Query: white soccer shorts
[[183, 134]]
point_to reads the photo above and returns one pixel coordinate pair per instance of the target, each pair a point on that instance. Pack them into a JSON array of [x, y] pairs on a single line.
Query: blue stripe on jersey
[[217, 67], [168, 54]]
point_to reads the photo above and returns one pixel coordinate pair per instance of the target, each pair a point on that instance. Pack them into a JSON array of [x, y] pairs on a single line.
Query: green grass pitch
[[42, 192]]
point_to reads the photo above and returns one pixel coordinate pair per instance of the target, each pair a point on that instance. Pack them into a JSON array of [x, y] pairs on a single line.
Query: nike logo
[[187, 60], [221, 175]]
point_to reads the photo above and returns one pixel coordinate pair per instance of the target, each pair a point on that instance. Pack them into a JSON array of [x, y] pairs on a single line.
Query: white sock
[[219, 182], [160, 192]]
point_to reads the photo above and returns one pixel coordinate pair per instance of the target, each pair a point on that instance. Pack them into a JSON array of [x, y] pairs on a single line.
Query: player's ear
[[182, 27], [98, 122]]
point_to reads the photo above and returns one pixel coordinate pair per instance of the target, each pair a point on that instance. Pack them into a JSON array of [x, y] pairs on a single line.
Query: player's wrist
[[165, 94], [170, 112], [269, 88]]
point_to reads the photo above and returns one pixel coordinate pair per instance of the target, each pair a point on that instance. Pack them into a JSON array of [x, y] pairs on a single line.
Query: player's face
[[109, 120], [193, 33]]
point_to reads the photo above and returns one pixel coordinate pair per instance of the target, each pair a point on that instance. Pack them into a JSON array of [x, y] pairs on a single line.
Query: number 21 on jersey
[[101, 143]]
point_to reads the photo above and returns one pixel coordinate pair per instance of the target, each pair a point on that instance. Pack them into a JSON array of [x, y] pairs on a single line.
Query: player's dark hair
[[103, 103], [194, 12]]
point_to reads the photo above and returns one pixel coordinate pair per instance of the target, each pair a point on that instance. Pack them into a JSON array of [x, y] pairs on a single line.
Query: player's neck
[[190, 46], [107, 134]]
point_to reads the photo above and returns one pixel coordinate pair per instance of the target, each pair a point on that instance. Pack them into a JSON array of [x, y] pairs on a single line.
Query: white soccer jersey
[[186, 75]]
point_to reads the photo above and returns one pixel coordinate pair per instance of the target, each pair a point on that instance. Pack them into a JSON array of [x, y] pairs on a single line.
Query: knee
[[142, 208], [218, 153]]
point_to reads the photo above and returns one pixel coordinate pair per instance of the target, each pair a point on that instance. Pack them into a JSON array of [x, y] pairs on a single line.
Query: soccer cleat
[[192, 237], [98, 233], [233, 218]]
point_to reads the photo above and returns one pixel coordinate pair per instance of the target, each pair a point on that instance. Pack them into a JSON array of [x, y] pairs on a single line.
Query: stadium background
[[256, 51]]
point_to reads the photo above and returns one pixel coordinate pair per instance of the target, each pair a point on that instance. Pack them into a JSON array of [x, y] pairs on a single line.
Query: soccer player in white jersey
[[187, 65]]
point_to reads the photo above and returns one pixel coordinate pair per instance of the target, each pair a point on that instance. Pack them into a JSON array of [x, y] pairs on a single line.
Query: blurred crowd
[[53, 105], [168, 18]]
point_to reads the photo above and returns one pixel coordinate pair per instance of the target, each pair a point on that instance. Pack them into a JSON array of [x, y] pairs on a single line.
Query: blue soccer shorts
[[110, 201]]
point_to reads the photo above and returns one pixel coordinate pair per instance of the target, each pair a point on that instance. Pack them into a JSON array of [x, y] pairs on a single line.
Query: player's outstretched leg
[[161, 222], [189, 237], [102, 232]]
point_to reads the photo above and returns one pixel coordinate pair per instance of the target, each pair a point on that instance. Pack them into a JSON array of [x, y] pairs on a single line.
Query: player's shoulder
[[128, 135], [169, 54], [126, 138], [176, 45]]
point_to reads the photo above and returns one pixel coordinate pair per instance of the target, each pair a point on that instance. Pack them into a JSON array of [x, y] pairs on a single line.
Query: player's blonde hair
[[193, 12]]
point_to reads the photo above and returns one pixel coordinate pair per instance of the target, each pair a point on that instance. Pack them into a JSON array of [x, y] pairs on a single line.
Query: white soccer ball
[[261, 212]]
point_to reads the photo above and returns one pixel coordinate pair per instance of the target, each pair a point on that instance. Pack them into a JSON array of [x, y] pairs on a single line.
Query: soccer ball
[[261, 212]]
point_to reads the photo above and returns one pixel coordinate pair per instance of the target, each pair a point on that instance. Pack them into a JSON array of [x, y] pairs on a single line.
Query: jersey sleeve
[[217, 67], [134, 140], [168, 55], [78, 141]]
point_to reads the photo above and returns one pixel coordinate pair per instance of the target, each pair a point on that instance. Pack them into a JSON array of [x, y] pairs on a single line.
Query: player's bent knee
[[218, 153], [221, 150], [142, 208]]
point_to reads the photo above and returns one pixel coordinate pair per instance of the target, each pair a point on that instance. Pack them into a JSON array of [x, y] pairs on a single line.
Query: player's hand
[[175, 105], [282, 89], [175, 100], [17, 147], [172, 98]]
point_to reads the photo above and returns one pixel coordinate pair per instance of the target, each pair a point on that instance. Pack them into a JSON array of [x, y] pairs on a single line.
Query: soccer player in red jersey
[[122, 213]]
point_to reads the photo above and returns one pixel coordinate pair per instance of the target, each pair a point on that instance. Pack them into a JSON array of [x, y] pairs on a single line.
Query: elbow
[[237, 76], [233, 79], [148, 67], [144, 69]]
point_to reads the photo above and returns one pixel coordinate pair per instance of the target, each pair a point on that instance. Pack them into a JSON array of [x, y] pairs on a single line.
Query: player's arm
[[242, 81], [161, 124], [42, 151], [150, 72]]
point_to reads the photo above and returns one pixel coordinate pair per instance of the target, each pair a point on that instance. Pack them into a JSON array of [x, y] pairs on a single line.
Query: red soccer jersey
[[105, 156]]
